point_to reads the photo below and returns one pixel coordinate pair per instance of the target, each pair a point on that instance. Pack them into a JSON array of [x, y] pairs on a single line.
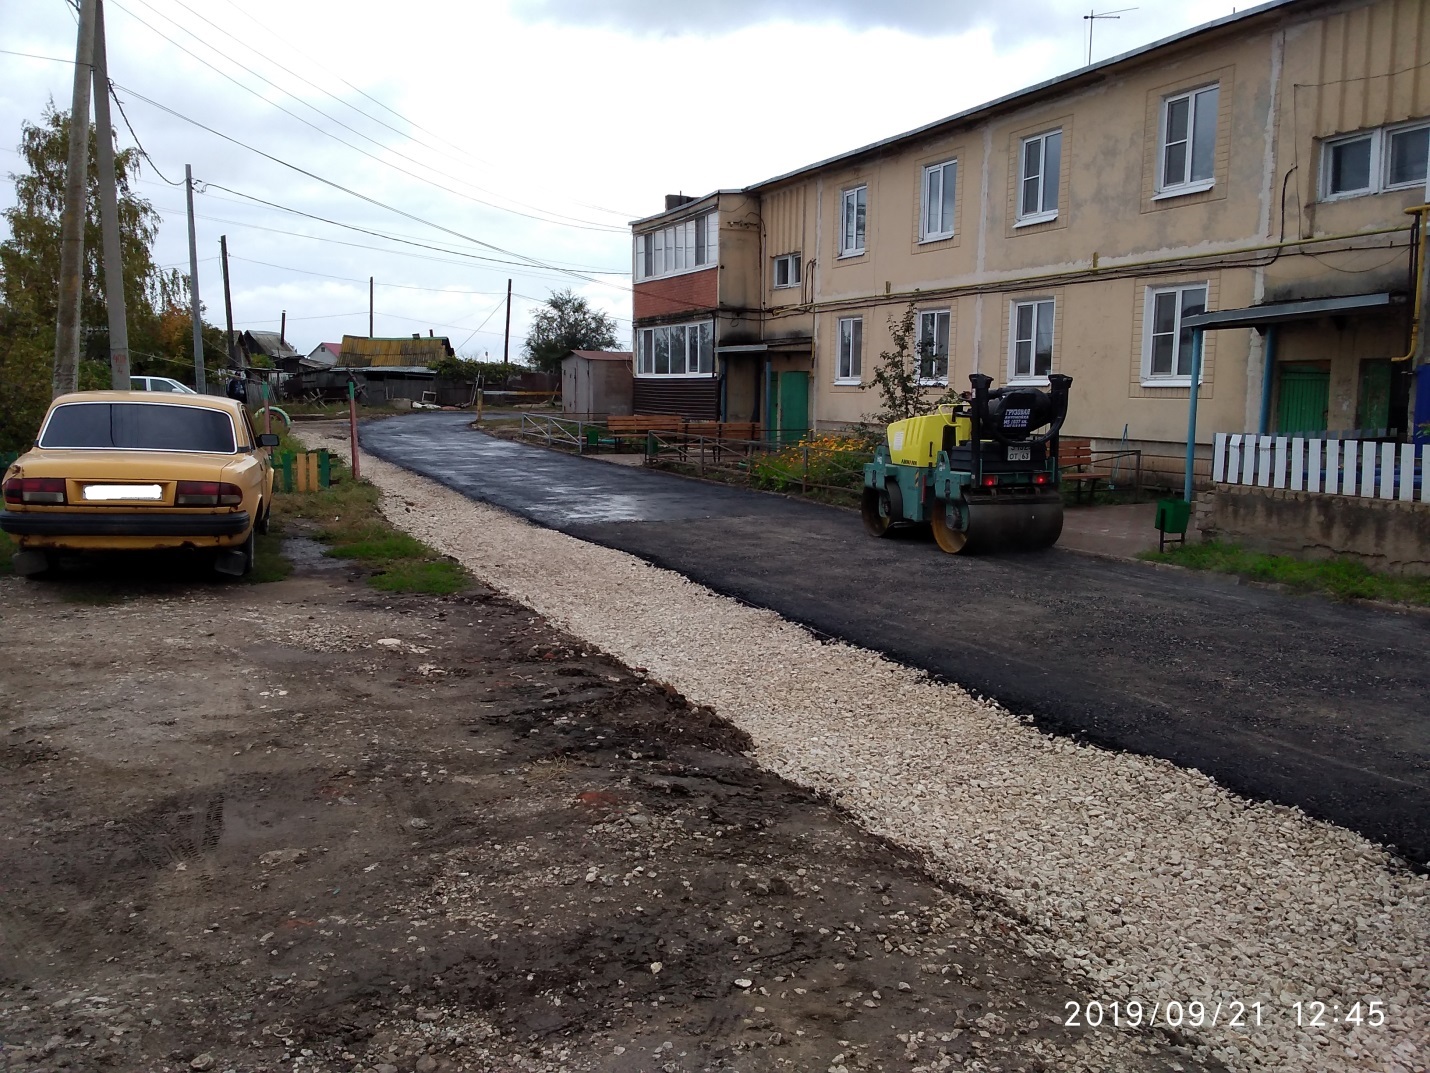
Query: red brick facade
[[688, 293]]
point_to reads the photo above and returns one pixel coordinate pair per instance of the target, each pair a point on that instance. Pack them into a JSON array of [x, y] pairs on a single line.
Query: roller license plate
[[1020, 454]]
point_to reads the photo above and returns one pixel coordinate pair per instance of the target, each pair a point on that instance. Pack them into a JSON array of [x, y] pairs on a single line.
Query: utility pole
[[506, 336], [199, 384], [109, 215], [369, 307], [283, 329], [233, 356], [66, 372]]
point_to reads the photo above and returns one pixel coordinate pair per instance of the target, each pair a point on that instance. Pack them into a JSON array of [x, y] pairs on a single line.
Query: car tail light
[[1040, 478], [207, 494], [29, 490], [990, 480]]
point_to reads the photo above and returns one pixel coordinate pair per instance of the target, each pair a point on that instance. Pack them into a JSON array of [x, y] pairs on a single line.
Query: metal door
[[1304, 399], [793, 416]]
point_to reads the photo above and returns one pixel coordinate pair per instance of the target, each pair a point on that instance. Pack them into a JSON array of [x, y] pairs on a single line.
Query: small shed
[[597, 382]]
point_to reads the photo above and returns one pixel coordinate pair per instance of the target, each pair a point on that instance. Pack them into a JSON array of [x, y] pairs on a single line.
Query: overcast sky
[[520, 131]]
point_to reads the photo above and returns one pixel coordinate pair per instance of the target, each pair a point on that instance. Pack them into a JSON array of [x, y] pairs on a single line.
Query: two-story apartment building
[[1261, 163]]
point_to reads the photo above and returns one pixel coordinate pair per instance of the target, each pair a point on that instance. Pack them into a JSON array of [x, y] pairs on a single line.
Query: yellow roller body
[[916, 441]]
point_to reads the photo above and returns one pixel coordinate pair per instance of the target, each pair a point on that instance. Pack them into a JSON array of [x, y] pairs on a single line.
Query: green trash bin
[[1172, 518]]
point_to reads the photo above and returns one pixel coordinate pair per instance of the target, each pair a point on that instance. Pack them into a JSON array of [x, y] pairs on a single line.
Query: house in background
[[323, 356], [597, 382], [1260, 165], [270, 345]]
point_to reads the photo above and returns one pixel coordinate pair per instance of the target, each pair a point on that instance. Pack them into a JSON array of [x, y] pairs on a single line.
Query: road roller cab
[[983, 474]]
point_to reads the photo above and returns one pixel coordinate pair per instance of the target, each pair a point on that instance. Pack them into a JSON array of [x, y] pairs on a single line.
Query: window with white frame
[[1388, 158], [1167, 346], [932, 347], [676, 350], [939, 189], [787, 270], [850, 367], [1031, 336], [1188, 145], [1039, 173], [681, 247], [853, 213]]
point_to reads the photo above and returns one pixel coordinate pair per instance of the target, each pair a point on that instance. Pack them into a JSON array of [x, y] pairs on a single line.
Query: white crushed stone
[[1144, 880]]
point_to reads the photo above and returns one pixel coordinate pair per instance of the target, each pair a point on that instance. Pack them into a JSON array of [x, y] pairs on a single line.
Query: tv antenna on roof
[[1091, 19]]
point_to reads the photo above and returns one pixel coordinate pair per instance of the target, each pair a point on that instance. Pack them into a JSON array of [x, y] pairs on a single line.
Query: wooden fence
[[1369, 470]]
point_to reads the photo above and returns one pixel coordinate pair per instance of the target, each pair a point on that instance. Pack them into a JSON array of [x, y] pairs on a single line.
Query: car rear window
[[139, 426]]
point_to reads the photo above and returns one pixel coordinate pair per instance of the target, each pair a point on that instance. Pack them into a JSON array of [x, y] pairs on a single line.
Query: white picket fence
[[1335, 467]]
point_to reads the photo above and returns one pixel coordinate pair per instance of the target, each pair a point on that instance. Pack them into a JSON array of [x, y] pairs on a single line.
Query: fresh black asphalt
[[1293, 699]]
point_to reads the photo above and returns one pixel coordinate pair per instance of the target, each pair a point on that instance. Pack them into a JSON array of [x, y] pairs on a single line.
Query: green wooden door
[[1373, 402], [793, 417], [1304, 399]]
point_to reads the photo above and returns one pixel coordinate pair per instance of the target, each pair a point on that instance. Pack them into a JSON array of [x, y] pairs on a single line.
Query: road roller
[[983, 472]]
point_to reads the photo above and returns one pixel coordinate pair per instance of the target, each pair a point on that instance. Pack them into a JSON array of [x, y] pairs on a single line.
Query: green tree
[[566, 323], [156, 302], [896, 377]]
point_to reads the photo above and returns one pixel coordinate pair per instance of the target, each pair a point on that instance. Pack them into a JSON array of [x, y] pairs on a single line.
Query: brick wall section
[[677, 296]]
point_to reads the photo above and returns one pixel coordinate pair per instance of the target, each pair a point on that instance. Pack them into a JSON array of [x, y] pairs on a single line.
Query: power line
[[589, 226], [406, 135], [274, 35], [138, 144], [524, 258]]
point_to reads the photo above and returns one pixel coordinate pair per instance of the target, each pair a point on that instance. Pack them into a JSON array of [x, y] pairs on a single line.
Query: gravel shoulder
[[1144, 880]]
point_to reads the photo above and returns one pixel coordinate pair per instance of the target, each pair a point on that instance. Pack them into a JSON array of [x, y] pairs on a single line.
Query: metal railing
[[762, 463], [564, 430]]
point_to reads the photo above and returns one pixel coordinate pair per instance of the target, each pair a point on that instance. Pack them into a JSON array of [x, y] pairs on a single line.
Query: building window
[[853, 213], [1167, 350], [681, 247], [850, 369], [933, 347], [1389, 158], [940, 186], [1032, 350], [1188, 155], [1038, 177], [677, 350], [787, 270]]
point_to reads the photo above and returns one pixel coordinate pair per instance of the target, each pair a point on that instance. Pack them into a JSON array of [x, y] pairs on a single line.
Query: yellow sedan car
[[132, 470]]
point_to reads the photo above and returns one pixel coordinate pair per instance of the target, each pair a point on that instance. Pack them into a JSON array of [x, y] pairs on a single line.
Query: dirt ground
[[309, 826]]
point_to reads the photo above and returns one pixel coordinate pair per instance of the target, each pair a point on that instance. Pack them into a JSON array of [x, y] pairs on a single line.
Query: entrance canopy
[[1263, 316]]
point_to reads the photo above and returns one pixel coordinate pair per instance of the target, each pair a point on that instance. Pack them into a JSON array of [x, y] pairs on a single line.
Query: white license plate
[[102, 492], [1020, 454]]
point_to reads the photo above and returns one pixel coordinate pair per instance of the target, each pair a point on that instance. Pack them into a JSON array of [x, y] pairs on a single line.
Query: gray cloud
[[1023, 20]]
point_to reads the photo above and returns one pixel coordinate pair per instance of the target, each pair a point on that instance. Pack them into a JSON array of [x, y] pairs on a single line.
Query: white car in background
[[159, 383]]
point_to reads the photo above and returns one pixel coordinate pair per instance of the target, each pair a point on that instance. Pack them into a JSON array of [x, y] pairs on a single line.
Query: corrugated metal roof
[[424, 350], [272, 344]]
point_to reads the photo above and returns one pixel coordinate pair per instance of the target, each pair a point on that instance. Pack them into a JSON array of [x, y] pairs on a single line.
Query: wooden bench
[[723, 430], [1075, 461]]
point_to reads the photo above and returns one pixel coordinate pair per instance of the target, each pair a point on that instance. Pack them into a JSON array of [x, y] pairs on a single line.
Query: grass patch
[[1343, 579], [269, 562], [346, 517]]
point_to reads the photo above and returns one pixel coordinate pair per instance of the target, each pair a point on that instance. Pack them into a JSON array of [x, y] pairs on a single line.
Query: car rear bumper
[[42, 523]]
